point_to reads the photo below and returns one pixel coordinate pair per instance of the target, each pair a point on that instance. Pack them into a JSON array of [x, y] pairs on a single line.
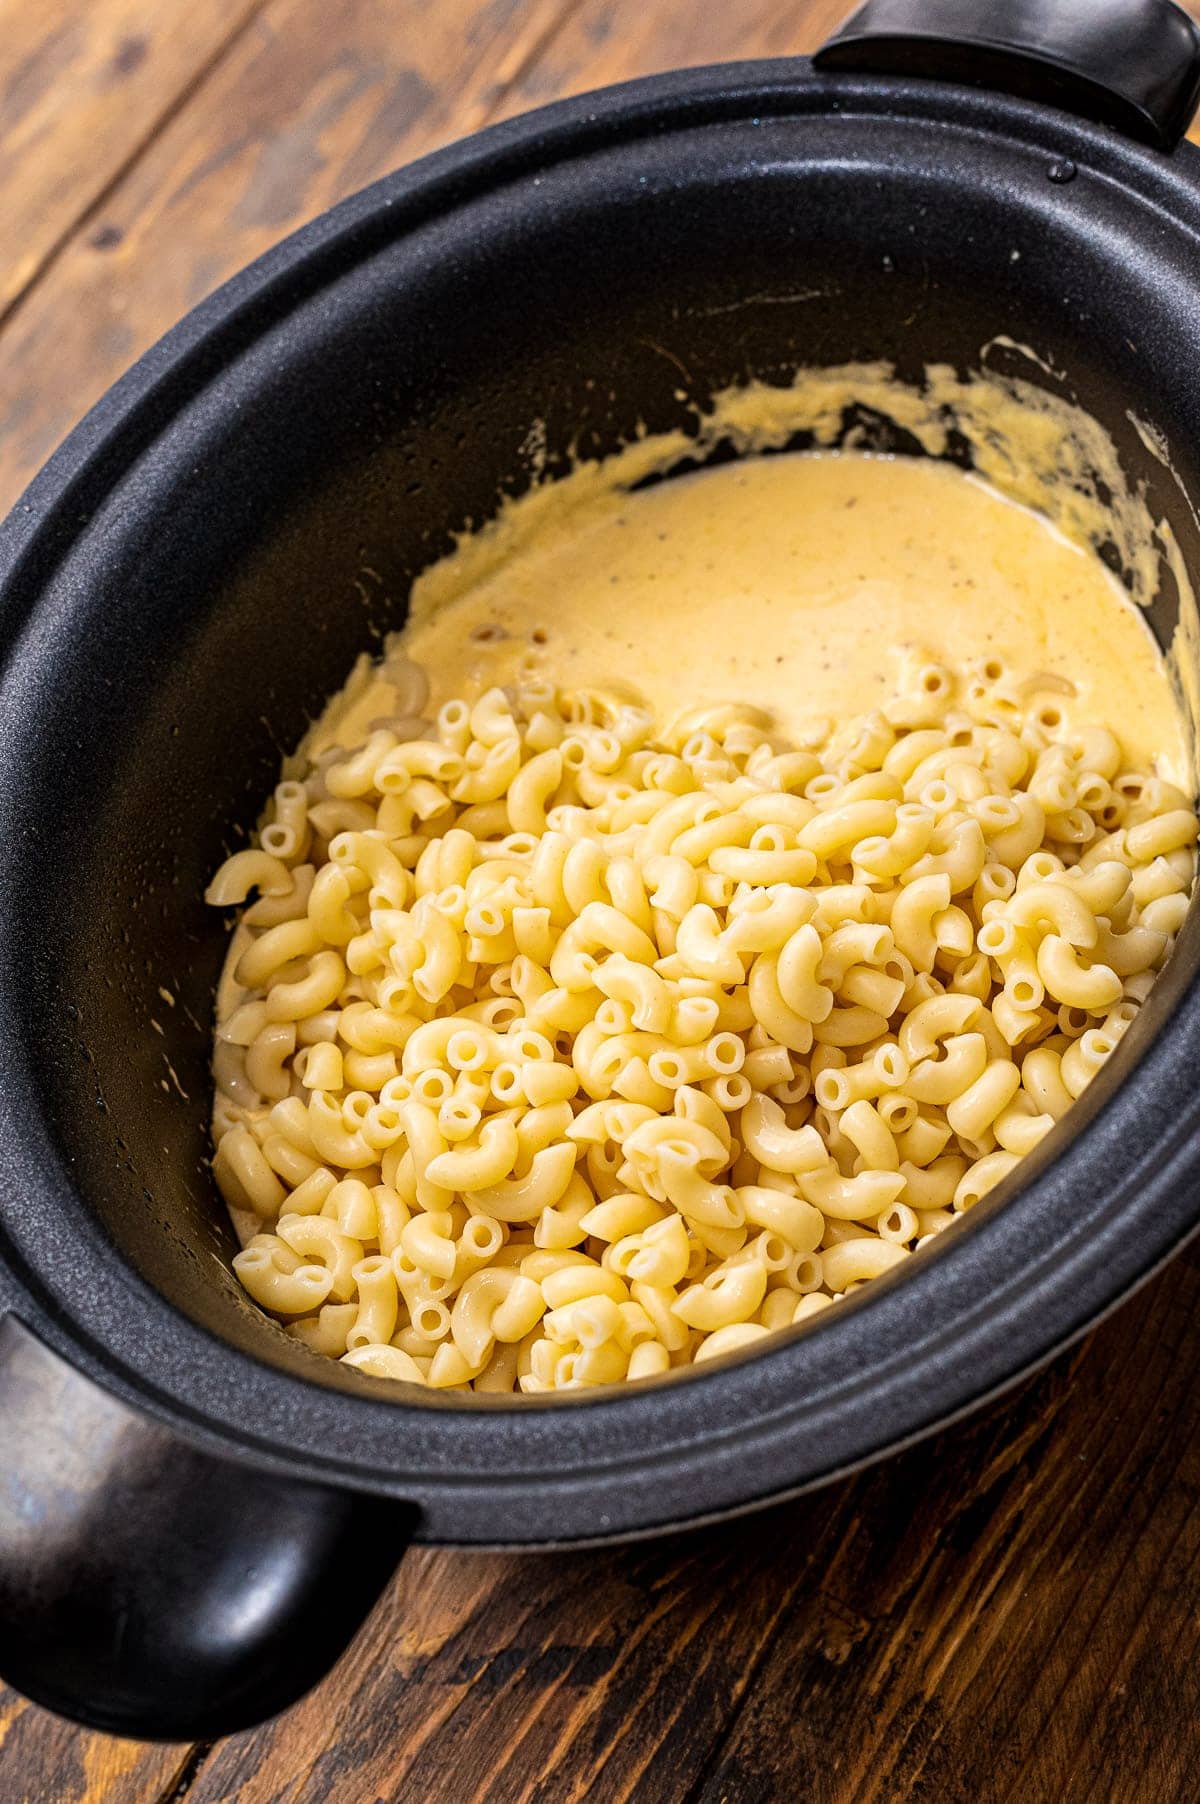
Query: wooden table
[[1009, 1612]]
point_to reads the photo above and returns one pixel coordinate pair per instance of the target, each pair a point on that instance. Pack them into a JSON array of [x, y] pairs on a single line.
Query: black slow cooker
[[195, 1512]]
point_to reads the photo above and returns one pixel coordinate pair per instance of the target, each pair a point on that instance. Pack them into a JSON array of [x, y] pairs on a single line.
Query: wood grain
[[309, 103], [46, 1761], [1005, 1615], [83, 90]]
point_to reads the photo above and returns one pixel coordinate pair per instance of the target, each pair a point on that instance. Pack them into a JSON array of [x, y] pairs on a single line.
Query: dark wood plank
[[604, 41], [44, 1760], [1037, 1635], [83, 89], [1008, 1613], [546, 1677], [297, 115]]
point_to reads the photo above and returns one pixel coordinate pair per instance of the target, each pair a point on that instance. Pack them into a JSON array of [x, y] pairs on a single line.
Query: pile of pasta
[[561, 1047]]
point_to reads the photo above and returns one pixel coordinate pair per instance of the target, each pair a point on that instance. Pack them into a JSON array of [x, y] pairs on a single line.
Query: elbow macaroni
[[557, 1048]]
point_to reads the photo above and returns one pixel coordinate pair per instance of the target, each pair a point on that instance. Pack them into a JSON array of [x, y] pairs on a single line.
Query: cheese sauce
[[799, 583]]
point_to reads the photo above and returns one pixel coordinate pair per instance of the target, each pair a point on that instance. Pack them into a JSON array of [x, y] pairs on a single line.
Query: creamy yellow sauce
[[797, 582], [809, 586]]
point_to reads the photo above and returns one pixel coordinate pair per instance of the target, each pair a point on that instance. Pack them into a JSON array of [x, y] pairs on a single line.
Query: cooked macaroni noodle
[[559, 1047]]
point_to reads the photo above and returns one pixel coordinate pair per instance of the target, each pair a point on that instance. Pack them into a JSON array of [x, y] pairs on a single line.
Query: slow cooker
[[195, 1512]]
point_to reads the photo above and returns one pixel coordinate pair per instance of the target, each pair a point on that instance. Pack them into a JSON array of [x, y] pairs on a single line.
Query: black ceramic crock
[[196, 1513]]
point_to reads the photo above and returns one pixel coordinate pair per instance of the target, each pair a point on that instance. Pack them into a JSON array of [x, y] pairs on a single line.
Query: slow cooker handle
[[150, 1588], [1134, 64]]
